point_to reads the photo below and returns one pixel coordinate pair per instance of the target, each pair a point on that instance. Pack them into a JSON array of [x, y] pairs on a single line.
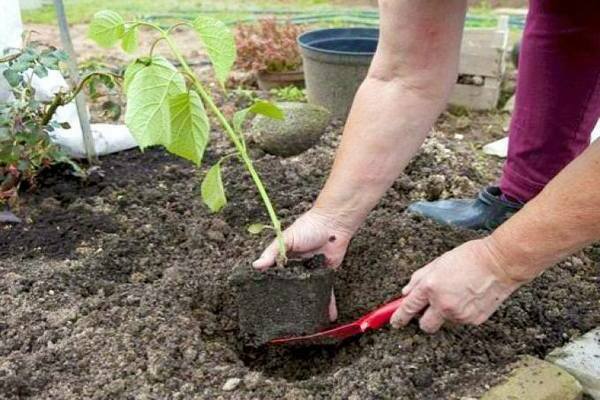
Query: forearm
[[562, 219], [406, 89], [385, 129]]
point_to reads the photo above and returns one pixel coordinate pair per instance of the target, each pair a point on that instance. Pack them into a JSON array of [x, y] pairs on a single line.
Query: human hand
[[464, 286], [315, 232]]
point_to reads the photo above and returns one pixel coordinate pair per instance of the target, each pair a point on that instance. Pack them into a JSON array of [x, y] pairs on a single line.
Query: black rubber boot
[[487, 211]]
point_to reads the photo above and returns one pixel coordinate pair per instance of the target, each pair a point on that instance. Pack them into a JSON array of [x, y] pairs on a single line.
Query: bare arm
[[467, 284], [407, 87], [563, 218]]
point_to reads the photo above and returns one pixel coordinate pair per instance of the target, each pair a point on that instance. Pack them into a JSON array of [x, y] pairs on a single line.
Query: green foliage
[[130, 39], [289, 93], [107, 28], [168, 106], [267, 109], [190, 126], [213, 192], [25, 121], [257, 228], [102, 87], [149, 91], [219, 44], [259, 107]]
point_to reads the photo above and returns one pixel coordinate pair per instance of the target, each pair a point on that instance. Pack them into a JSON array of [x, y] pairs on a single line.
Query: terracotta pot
[[271, 80]]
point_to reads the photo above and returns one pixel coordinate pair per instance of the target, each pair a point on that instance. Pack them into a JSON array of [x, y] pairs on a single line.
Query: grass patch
[[81, 11]]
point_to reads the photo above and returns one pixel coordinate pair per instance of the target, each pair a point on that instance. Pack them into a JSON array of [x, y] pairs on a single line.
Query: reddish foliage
[[268, 46]]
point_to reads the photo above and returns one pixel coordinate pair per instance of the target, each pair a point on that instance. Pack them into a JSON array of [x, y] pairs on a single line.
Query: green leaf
[[189, 127], [132, 69], [212, 190], [238, 119], [219, 44], [129, 42], [40, 71], [262, 107], [257, 228], [148, 114], [49, 61], [21, 65], [61, 55], [267, 109], [12, 77], [106, 28]]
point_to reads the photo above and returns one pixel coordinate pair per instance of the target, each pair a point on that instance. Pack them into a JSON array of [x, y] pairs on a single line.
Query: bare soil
[[117, 288]]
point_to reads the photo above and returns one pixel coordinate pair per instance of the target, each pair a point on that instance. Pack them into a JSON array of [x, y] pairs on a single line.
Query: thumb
[[267, 258]]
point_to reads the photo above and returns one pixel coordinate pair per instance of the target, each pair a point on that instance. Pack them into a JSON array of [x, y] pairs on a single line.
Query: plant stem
[[237, 143], [57, 101], [60, 99]]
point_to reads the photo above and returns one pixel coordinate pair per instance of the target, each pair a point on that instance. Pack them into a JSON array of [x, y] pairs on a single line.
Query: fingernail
[[257, 264]]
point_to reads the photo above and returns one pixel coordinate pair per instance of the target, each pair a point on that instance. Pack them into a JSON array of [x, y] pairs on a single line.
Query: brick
[[581, 358], [535, 379]]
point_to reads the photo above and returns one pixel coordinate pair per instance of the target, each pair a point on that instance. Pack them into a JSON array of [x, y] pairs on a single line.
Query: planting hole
[[301, 362]]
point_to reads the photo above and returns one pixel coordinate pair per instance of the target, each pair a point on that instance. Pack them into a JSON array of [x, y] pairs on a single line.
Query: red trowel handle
[[381, 316]]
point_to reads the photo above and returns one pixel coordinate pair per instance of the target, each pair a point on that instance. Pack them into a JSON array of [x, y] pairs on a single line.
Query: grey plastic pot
[[335, 62]]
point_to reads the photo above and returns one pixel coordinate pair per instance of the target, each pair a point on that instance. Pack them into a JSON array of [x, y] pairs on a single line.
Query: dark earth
[[282, 301], [118, 288]]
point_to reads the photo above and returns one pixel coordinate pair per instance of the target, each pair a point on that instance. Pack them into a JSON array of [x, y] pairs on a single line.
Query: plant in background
[[289, 93], [26, 120], [102, 88], [268, 46], [168, 106]]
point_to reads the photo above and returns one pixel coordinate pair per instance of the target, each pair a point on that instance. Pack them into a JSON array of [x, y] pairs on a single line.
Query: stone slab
[[535, 379], [581, 358]]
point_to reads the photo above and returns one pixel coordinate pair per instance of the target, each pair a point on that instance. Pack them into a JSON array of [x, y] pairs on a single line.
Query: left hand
[[465, 286]]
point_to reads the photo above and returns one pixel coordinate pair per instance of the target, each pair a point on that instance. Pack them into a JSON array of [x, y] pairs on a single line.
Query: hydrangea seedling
[[168, 106]]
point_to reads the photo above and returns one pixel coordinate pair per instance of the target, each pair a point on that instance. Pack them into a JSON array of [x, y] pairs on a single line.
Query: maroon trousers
[[558, 93]]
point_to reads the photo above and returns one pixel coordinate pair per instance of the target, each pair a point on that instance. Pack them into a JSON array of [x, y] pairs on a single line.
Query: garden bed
[[118, 288]]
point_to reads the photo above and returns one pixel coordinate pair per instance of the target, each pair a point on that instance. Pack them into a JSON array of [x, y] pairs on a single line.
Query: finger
[[431, 321], [333, 314], [269, 255], [409, 308], [415, 279], [267, 258]]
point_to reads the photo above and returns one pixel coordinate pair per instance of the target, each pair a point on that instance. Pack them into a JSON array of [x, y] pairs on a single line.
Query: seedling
[[168, 106], [289, 93]]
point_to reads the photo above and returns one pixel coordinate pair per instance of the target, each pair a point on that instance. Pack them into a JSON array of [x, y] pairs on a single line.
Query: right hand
[[315, 232]]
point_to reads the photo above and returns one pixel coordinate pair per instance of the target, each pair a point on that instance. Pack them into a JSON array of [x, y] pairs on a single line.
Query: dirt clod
[[231, 384], [281, 302]]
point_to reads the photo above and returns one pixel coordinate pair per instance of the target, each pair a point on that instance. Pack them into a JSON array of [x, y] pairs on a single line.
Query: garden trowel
[[371, 321]]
